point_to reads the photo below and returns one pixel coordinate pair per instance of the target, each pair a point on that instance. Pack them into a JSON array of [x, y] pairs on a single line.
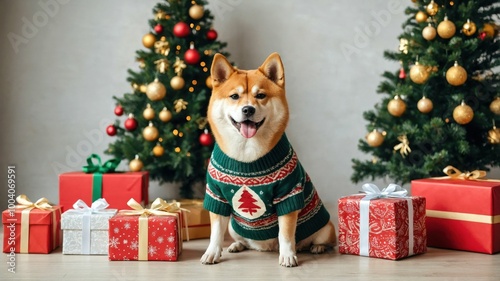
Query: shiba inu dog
[[255, 182]]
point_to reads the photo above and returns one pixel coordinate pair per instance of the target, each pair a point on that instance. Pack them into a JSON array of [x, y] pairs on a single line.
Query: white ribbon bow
[[98, 207], [392, 190], [373, 192]]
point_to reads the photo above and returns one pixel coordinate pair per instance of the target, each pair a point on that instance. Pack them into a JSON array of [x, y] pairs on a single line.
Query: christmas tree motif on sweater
[[248, 204]]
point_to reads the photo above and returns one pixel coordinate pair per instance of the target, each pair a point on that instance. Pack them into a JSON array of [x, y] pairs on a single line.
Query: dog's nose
[[248, 110]]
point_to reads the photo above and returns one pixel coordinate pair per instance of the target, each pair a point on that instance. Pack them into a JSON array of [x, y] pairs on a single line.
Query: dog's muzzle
[[247, 128]]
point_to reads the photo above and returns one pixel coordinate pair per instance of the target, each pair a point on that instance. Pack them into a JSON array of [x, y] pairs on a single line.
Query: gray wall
[[69, 57]]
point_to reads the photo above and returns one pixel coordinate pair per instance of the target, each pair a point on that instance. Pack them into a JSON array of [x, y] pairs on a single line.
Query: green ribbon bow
[[98, 169]]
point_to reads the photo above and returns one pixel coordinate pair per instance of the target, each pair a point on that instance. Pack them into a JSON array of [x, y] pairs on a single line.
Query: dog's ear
[[273, 69], [221, 69]]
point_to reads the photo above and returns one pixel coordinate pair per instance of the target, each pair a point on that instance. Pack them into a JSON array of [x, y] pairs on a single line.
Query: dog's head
[[248, 111]]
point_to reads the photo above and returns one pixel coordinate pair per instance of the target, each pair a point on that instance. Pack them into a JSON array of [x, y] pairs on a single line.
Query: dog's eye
[[260, 96], [234, 96]]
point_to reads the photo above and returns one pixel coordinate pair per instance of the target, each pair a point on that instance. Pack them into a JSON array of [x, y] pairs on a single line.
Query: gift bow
[[97, 206], [455, 173], [107, 167], [159, 207], [25, 203], [392, 190]]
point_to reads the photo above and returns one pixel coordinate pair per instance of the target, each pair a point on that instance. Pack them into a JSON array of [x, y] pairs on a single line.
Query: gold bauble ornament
[[396, 106], [419, 73], [421, 16], [489, 29], [456, 75], [143, 88], [432, 8], [446, 29], [495, 106], [425, 105], [429, 32], [177, 82], [136, 164], [148, 113], [374, 138], [196, 12], [150, 133], [156, 90], [463, 114], [208, 82], [158, 150], [165, 115], [148, 40], [469, 28]]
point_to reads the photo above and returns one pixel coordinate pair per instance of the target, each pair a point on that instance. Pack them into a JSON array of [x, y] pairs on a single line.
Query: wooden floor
[[436, 264]]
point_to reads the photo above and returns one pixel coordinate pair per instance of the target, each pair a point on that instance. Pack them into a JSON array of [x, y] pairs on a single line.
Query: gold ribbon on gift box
[[477, 175], [159, 207], [26, 204]]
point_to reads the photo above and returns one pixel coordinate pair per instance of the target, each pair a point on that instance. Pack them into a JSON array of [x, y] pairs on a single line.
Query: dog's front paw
[[288, 260], [212, 255]]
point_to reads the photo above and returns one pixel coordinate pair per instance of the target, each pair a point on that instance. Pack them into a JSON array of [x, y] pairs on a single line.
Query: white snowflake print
[[232, 190], [152, 250], [160, 239], [261, 192], [113, 242], [153, 233], [125, 241], [171, 239], [126, 225], [170, 252], [134, 245], [116, 230]]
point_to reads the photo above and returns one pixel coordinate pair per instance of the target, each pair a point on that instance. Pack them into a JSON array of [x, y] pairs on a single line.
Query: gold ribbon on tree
[[162, 65], [159, 207], [26, 204], [179, 65], [404, 146], [162, 46], [455, 173]]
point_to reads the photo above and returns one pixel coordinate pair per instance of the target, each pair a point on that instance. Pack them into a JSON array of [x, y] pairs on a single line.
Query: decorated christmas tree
[[442, 102], [165, 129]]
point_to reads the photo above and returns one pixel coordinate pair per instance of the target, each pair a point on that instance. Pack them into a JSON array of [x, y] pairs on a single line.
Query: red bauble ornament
[[119, 110], [181, 29], [402, 73], [206, 139], [211, 34], [130, 123], [111, 130], [192, 56], [482, 35], [158, 29]]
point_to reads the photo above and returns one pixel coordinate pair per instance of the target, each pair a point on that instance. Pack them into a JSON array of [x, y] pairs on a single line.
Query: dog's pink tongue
[[248, 129]]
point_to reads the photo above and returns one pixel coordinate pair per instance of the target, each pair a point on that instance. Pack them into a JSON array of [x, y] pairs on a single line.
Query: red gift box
[[145, 237], [117, 188], [387, 229], [461, 214], [37, 233]]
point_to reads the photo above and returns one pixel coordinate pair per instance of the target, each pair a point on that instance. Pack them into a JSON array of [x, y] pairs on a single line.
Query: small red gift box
[[31, 227], [117, 188], [461, 214], [145, 234], [389, 228]]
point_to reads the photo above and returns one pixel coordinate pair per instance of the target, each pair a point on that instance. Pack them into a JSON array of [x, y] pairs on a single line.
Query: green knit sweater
[[256, 193]]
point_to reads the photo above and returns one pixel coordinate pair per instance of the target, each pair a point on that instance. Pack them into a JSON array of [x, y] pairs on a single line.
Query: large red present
[[31, 227], [100, 181], [146, 234], [382, 224], [461, 214]]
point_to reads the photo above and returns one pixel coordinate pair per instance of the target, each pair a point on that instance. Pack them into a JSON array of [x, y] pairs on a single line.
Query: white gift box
[[85, 229]]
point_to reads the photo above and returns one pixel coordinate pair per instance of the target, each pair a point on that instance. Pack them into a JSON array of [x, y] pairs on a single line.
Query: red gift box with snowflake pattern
[[152, 238], [387, 233]]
